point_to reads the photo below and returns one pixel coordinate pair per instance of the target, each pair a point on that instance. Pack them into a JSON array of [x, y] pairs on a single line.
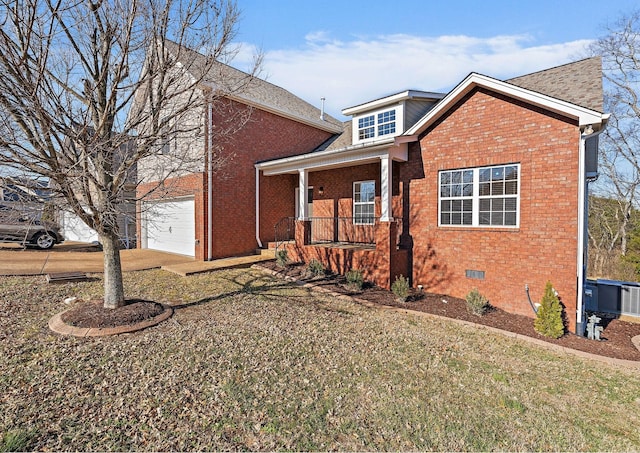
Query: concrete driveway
[[78, 257]]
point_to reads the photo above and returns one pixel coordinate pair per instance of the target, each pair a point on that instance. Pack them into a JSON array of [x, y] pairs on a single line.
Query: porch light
[[321, 190]]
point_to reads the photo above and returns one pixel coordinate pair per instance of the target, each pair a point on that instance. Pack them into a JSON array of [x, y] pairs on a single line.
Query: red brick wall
[[380, 265], [487, 129], [265, 136]]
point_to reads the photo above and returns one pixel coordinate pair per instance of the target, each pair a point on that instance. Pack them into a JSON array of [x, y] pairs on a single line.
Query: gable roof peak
[[578, 82], [252, 90]]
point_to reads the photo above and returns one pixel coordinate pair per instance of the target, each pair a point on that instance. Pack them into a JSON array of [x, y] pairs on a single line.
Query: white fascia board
[[584, 115], [389, 100], [351, 155]]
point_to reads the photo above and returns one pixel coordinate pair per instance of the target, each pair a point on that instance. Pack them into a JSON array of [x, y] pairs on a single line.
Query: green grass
[[251, 362]]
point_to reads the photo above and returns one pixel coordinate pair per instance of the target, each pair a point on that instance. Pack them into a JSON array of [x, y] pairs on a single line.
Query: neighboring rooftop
[[253, 90], [579, 82]]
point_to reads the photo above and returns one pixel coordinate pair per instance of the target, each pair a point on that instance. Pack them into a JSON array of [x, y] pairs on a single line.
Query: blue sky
[[353, 51]]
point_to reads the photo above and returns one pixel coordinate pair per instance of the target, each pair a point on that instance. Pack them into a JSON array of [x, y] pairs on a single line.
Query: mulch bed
[[616, 335], [94, 315]]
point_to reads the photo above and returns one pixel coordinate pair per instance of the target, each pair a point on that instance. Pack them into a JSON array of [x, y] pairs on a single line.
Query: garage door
[[74, 229], [170, 226]]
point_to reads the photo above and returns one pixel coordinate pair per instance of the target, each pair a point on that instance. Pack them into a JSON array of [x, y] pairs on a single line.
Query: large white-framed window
[[377, 125], [364, 195], [366, 127], [480, 197], [387, 122]]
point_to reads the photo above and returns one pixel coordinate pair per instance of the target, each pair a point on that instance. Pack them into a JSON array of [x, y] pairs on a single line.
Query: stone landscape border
[[57, 325]]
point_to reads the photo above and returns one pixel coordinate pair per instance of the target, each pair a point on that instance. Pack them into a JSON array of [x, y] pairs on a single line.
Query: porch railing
[[285, 230], [350, 230]]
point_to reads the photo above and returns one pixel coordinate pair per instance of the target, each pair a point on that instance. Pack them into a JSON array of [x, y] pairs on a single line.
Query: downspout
[[258, 208], [210, 188], [583, 225]]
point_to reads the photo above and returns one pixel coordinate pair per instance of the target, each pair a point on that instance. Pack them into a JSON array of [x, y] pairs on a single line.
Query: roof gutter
[[209, 187], [258, 208]]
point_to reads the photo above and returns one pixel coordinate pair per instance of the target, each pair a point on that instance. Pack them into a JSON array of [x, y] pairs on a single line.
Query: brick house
[[208, 211], [483, 187]]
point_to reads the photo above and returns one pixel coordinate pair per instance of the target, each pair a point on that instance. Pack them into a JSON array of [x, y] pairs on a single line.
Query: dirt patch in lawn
[[93, 315], [616, 335]]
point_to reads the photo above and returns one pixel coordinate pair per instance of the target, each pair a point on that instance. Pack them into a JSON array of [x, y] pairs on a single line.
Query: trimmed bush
[[477, 304], [355, 279], [315, 268], [549, 320], [400, 287], [282, 258]]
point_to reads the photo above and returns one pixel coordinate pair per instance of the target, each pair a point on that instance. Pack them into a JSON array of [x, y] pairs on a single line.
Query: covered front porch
[[344, 208]]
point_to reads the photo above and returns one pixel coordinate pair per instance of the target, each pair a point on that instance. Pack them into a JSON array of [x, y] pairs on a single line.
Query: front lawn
[[251, 362]]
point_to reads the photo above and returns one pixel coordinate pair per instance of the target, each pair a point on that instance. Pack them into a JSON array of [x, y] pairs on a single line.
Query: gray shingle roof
[[579, 82], [251, 89]]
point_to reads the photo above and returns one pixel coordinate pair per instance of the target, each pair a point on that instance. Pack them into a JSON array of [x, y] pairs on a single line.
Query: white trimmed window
[[169, 137], [387, 122], [486, 196], [366, 127], [377, 125], [364, 195]]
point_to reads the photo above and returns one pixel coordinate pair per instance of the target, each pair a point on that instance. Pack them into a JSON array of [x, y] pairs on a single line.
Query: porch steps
[[198, 267], [270, 252], [272, 245]]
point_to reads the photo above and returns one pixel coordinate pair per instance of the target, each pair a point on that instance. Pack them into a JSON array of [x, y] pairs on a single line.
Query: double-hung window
[[366, 127], [364, 194], [169, 136], [387, 122], [377, 125], [486, 196]]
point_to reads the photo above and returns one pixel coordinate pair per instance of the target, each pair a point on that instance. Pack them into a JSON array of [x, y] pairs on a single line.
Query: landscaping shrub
[[477, 304], [282, 258], [315, 268], [355, 279], [400, 287], [549, 320]]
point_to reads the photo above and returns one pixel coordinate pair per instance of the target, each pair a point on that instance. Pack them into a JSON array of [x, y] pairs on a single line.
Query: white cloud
[[348, 73]]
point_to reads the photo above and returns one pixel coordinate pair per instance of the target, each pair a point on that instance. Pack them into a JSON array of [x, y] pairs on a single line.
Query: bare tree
[[91, 88], [620, 143]]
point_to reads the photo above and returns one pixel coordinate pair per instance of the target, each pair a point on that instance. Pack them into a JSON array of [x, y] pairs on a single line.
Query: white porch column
[[303, 198], [386, 177]]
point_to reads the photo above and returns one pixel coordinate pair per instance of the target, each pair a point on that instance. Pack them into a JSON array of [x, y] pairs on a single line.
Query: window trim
[[372, 203], [367, 126], [475, 197]]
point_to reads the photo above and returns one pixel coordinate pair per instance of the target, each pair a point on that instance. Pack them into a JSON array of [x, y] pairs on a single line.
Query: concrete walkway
[[80, 257]]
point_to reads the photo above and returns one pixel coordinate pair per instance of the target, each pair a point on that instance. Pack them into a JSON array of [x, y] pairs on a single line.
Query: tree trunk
[[113, 286]]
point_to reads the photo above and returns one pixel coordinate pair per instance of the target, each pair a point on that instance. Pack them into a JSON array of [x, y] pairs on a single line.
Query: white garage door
[[170, 226], [74, 229]]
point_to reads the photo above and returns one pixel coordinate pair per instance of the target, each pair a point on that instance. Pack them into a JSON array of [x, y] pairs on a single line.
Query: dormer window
[[377, 125], [366, 127], [387, 122]]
